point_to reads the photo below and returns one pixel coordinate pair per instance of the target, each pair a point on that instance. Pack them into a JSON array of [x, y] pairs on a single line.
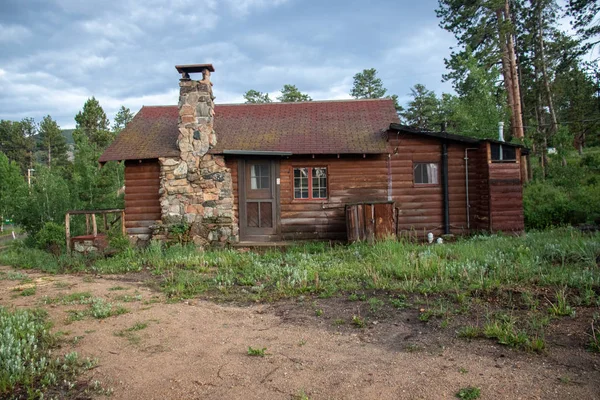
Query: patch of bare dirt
[[198, 350]]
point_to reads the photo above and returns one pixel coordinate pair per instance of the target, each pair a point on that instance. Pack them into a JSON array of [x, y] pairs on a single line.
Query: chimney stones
[[196, 187]]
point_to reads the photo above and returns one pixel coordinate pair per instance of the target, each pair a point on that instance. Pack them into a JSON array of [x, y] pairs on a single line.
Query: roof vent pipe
[[501, 131]]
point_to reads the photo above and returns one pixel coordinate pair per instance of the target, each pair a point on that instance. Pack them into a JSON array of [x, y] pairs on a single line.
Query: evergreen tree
[[13, 189], [585, 20], [122, 118], [52, 143], [254, 97], [17, 142], [93, 124], [423, 110], [291, 94], [367, 85]]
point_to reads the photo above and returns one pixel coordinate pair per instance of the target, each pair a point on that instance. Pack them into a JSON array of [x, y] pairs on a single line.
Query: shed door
[[258, 200]]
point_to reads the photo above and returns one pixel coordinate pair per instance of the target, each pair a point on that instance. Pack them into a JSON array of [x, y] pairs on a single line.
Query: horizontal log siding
[[142, 201], [351, 179], [506, 197], [421, 206]]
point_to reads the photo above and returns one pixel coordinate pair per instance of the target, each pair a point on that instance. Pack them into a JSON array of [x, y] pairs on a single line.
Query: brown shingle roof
[[316, 127]]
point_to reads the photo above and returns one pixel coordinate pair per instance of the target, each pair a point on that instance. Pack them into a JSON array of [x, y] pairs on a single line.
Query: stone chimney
[[196, 187]]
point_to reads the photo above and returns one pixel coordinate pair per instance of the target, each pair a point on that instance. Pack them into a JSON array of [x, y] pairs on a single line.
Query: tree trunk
[[506, 72], [511, 81], [548, 90]]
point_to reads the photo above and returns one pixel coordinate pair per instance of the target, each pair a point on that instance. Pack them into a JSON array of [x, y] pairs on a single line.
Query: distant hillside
[[67, 133]]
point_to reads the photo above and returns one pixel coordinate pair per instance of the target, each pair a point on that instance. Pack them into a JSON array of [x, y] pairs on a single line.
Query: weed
[[319, 312], [561, 305], [257, 352], [70, 299], [425, 315], [469, 332], [117, 288], [469, 393], [358, 322], [594, 343], [338, 322], [353, 297], [61, 285], [28, 369], [503, 328], [301, 395], [30, 291], [463, 370], [128, 299], [412, 347], [399, 302], [128, 333], [375, 304], [76, 339]]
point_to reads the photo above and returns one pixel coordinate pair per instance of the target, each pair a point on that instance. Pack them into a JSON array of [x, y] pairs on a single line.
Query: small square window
[[310, 183], [425, 173], [501, 152]]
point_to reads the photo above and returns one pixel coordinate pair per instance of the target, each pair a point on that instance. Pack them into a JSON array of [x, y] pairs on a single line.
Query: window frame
[[415, 184], [310, 197], [502, 146]]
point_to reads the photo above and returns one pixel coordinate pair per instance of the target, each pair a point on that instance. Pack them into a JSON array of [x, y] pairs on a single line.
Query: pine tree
[[13, 189], [255, 97], [52, 143], [423, 110], [291, 94], [367, 85], [93, 124], [123, 117]]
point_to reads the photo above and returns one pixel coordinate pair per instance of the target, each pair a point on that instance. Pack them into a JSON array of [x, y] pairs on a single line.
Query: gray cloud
[[56, 54]]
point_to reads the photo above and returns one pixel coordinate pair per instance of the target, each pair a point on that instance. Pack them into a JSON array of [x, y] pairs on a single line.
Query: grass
[[28, 369], [256, 352], [469, 393], [129, 332], [30, 291], [506, 272]]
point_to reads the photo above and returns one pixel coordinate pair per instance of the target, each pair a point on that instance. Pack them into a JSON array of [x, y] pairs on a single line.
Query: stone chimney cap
[[192, 68]]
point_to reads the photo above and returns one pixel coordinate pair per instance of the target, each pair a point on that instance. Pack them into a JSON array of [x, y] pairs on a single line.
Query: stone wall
[[196, 187]]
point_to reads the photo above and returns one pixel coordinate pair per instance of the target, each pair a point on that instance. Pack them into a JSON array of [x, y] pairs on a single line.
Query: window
[[310, 183], [259, 176], [502, 152], [425, 173]]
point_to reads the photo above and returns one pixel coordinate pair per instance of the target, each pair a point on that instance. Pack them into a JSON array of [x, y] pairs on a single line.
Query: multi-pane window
[[259, 176], [425, 173], [503, 152], [310, 183]]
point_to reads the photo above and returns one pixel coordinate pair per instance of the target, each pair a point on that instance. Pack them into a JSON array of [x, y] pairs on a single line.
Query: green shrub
[[545, 206], [27, 367], [51, 238]]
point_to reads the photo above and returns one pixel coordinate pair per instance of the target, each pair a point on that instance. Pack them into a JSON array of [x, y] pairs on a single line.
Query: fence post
[[68, 231], [94, 226]]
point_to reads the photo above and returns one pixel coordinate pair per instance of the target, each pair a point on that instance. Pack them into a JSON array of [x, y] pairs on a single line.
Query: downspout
[[467, 187], [446, 198], [389, 172]]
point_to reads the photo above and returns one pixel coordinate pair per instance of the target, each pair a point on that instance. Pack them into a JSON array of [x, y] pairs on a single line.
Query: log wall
[[142, 204]]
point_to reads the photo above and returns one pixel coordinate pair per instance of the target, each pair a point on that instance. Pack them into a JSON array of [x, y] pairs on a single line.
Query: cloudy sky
[[54, 54]]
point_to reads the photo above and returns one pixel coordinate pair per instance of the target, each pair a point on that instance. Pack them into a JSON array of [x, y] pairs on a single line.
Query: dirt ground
[[198, 350]]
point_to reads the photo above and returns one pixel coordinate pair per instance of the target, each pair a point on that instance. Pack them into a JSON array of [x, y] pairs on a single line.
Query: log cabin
[[278, 172]]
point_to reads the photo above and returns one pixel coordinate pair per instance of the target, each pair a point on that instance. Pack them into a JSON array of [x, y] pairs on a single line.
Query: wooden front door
[[259, 200]]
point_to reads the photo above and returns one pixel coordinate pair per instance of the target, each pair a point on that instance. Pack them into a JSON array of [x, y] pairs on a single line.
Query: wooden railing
[[91, 215]]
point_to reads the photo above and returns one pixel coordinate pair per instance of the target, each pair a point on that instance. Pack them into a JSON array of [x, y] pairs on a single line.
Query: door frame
[[249, 233]]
